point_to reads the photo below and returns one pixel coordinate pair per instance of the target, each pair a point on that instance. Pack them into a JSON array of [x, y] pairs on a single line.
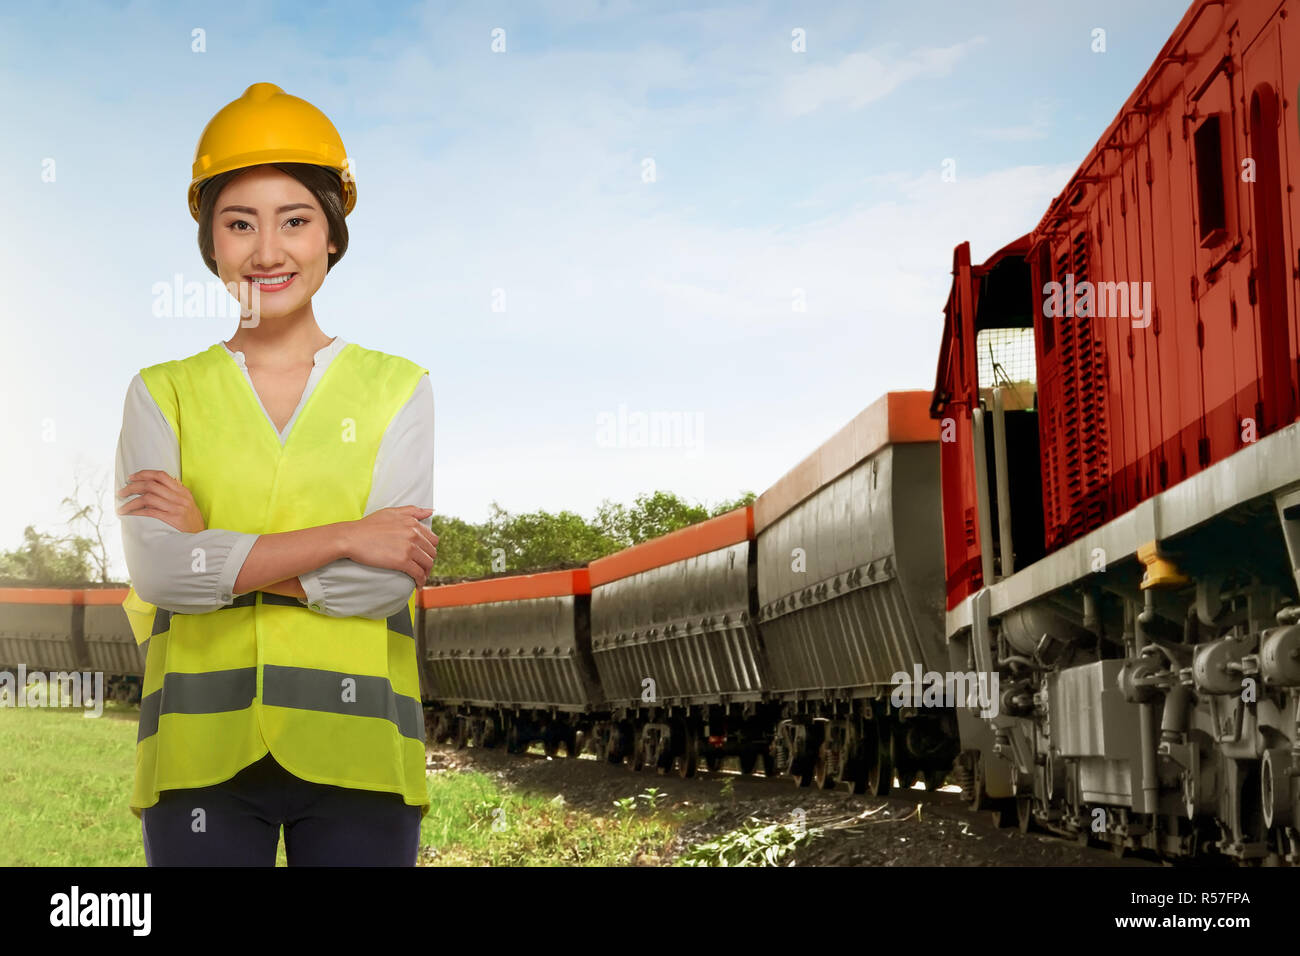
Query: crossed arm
[[365, 567]]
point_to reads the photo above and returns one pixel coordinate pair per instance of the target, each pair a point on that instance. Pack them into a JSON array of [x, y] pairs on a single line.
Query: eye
[[231, 226], [295, 219]]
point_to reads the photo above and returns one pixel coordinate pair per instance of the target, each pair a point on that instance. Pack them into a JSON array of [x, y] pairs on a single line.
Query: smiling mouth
[[272, 281]]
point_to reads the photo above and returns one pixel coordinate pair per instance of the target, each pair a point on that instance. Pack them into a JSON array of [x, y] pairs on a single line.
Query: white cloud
[[864, 77]]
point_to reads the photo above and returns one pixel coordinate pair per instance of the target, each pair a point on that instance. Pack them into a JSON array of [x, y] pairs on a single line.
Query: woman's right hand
[[394, 538]]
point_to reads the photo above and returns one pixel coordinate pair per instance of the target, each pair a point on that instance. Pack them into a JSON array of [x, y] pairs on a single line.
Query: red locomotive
[[1120, 513]]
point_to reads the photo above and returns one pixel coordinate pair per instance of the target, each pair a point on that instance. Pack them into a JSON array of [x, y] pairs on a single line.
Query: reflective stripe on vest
[[334, 700], [301, 687]]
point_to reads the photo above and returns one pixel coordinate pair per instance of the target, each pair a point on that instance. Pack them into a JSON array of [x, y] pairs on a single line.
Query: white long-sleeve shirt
[[158, 556]]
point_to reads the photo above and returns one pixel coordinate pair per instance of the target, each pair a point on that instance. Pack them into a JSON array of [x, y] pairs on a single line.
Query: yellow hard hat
[[267, 125]]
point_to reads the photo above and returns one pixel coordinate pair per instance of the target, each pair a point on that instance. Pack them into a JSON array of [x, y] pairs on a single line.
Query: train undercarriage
[[1153, 704], [868, 746]]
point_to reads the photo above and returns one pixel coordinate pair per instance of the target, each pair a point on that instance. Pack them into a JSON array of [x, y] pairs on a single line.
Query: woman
[[276, 521]]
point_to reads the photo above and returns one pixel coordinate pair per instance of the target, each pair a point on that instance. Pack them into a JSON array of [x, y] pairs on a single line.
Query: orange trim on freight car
[[726, 529], [519, 587], [895, 418], [62, 595]]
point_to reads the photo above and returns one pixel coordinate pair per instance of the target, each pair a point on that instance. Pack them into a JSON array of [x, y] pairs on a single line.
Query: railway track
[[906, 827]]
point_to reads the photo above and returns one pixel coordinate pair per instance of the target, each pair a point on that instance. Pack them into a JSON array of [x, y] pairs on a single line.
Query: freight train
[[1064, 579], [771, 633]]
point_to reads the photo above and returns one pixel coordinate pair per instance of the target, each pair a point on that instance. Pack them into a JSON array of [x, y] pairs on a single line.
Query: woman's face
[[269, 225]]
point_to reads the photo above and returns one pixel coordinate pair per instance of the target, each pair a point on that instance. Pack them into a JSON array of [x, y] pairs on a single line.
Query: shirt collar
[[322, 356]]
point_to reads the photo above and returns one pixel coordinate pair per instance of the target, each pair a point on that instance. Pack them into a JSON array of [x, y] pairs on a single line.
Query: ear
[[333, 248]]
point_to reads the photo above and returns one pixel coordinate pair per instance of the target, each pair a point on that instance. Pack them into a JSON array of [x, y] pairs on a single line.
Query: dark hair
[[324, 184]]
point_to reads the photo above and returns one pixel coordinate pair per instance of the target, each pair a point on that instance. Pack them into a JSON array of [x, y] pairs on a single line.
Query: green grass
[[66, 781], [64, 785], [472, 822]]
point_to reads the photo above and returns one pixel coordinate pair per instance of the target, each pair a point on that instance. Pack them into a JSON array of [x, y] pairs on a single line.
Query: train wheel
[[769, 764], [550, 741], [880, 769], [614, 745], [798, 774], [687, 759], [1025, 813], [662, 754], [436, 727], [822, 771], [802, 767], [860, 763], [713, 763], [514, 739], [748, 761], [855, 771], [636, 754], [905, 764], [663, 762], [575, 743], [461, 733]]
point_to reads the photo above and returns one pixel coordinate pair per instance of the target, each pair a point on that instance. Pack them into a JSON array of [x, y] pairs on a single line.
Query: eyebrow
[[253, 212]]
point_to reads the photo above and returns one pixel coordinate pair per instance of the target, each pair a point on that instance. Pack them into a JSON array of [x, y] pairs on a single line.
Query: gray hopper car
[[850, 593]]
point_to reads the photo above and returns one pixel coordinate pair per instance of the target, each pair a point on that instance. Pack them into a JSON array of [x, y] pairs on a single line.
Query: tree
[[462, 550], [539, 540], [89, 514], [49, 561], [656, 514], [71, 559], [746, 499]]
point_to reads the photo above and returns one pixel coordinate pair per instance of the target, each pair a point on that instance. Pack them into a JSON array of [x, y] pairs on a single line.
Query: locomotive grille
[[1078, 457]]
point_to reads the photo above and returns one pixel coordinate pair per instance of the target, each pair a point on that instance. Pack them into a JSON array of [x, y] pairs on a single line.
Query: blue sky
[[523, 171]]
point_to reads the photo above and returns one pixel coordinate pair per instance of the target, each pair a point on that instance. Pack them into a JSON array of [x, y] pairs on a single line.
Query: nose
[[267, 256]]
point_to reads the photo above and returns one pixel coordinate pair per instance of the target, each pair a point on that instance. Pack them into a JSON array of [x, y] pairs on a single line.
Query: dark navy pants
[[240, 823]]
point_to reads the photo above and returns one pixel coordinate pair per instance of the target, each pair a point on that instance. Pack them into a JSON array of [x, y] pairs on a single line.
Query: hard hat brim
[[267, 157]]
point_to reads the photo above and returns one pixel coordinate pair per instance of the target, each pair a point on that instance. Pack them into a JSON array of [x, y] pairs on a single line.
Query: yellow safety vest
[[335, 700]]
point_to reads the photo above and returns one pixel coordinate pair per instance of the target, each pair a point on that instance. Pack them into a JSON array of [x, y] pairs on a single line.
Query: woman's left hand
[[161, 496]]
